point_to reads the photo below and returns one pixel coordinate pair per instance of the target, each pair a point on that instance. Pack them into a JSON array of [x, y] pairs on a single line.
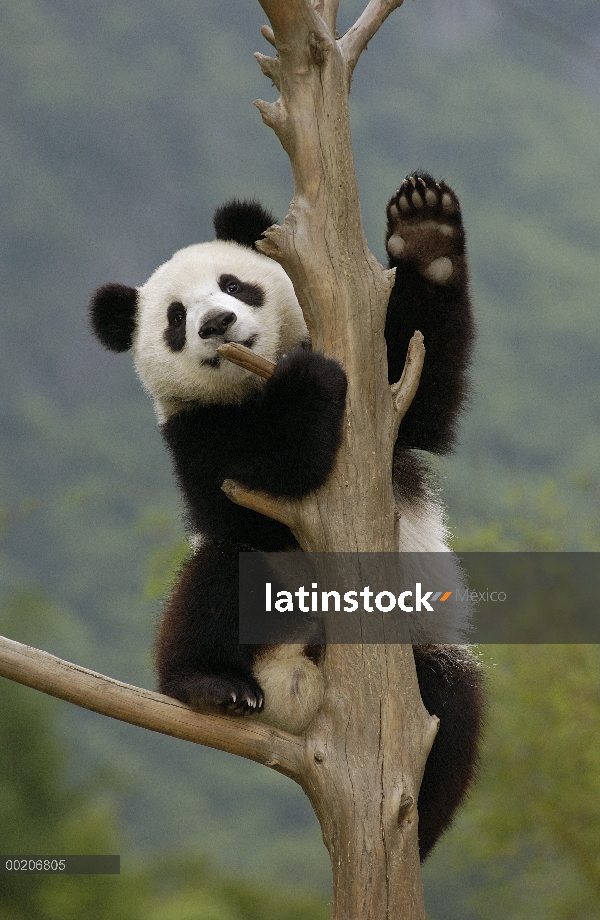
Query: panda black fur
[[281, 436]]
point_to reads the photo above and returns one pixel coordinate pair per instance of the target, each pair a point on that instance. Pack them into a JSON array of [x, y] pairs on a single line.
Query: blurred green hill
[[122, 126]]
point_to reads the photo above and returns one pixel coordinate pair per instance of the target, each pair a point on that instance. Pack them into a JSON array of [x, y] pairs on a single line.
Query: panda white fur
[[267, 319], [281, 436]]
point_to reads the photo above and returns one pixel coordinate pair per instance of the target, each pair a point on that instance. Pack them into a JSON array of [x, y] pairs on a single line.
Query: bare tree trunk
[[366, 751]]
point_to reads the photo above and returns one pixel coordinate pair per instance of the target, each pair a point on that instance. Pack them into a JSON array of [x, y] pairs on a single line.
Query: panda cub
[[281, 436]]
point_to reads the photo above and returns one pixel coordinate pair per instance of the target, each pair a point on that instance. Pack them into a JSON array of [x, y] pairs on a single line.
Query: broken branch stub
[[246, 358]]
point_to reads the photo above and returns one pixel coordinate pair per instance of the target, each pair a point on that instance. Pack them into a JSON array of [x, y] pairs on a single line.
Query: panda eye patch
[[176, 314], [251, 294], [174, 334]]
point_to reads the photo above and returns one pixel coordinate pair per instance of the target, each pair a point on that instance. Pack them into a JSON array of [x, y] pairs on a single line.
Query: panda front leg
[[198, 658], [293, 431], [426, 245]]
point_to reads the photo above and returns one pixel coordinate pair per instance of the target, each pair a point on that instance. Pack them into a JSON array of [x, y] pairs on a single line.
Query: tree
[[362, 759]]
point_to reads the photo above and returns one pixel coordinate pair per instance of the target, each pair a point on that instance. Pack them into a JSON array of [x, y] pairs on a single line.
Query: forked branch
[[356, 39]]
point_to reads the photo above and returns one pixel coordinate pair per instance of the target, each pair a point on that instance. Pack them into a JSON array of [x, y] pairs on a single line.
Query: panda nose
[[216, 324]]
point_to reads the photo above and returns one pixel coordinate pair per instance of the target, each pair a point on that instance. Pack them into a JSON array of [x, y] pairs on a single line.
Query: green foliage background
[[122, 126]]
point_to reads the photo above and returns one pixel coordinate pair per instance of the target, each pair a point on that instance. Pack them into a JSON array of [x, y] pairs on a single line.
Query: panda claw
[[247, 701], [422, 198], [230, 694]]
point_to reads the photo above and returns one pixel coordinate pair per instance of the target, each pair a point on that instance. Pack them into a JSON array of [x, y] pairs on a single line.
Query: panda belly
[[426, 558]]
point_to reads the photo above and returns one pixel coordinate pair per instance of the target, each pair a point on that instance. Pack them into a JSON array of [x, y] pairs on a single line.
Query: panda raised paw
[[425, 229]]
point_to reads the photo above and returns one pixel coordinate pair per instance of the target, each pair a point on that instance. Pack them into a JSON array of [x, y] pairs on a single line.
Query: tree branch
[[270, 68], [246, 358], [277, 508], [403, 392], [328, 9], [356, 39], [74, 684], [289, 16], [267, 33]]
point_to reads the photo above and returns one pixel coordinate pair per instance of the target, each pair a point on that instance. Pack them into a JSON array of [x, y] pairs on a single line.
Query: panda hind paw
[[424, 227], [229, 694]]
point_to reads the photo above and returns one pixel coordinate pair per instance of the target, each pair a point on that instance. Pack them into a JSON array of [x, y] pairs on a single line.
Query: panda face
[[203, 296]]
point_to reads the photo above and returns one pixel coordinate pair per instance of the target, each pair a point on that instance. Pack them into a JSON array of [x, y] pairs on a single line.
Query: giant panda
[[281, 436]]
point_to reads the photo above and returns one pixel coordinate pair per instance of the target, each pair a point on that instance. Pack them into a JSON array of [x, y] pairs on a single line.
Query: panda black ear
[[113, 310], [242, 222]]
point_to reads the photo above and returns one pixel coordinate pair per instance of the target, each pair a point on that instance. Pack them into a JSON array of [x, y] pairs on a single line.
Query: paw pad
[[418, 192], [439, 271]]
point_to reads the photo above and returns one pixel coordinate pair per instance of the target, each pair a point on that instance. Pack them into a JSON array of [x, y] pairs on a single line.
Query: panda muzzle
[[216, 324]]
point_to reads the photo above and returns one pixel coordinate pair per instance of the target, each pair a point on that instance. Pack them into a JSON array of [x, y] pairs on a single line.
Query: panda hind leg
[[198, 658], [451, 683]]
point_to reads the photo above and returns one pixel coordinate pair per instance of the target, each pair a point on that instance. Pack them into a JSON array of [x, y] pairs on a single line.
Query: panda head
[[207, 294]]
